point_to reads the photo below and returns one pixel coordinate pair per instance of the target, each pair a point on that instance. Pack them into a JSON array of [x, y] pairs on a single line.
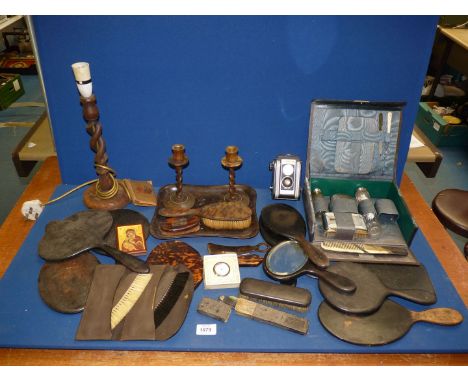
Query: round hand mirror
[[287, 261]]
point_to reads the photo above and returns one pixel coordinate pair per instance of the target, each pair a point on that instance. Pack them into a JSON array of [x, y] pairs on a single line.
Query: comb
[[170, 297], [373, 249], [129, 299]]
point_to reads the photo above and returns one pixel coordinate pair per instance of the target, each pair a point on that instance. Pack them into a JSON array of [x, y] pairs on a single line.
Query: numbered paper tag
[[16, 85], [436, 126], [206, 329]]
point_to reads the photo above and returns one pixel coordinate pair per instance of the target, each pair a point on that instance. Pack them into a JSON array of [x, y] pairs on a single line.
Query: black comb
[[169, 299]]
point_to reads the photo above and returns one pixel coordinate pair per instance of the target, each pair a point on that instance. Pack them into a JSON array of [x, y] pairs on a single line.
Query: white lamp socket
[[83, 78]]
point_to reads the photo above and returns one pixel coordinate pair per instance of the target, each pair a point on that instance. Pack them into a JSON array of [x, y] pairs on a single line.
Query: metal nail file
[[380, 129], [389, 122]]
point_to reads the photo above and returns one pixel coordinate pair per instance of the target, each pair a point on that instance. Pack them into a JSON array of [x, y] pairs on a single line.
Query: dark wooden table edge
[[32, 357], [48, 177]]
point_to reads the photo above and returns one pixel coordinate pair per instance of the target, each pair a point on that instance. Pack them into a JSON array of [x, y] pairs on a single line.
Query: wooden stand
[[95, 197], [92, 200]]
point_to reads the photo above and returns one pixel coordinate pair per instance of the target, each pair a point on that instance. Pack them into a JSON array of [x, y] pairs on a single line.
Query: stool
[[451, 208]]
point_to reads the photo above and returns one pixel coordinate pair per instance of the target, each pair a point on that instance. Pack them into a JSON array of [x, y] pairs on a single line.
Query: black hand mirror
[[409, 282], [283, 221], [83, 231], [287, 261]]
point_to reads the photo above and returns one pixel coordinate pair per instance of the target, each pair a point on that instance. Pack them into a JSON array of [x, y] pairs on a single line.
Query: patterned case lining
[[353, 141]]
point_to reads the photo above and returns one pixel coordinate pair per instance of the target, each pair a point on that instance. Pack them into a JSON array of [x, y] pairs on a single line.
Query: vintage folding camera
[[286, 177]]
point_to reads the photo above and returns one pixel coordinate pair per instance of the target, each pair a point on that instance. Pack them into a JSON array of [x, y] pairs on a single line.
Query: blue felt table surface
[[25, 320]]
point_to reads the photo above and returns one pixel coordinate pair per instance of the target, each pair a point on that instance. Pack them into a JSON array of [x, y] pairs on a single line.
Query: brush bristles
[[128, 300], [227, 224], [300, 309]]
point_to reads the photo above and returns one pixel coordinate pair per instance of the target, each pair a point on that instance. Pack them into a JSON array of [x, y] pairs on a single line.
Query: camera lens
[[288, 169], [287, 182]]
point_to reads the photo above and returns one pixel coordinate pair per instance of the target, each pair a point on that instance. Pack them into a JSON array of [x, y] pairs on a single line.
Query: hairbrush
[[218, 216], [283, 296], [180, 225]]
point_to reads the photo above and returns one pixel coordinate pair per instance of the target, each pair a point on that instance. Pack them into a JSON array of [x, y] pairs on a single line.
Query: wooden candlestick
[[106, 194], [232, 161], [178, 160], [179, 199]]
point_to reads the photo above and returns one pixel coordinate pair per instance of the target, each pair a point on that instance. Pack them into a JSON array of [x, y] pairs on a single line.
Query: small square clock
[[221, 271]]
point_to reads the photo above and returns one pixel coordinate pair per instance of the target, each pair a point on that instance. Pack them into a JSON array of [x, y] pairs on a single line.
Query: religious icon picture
[[130, 239]]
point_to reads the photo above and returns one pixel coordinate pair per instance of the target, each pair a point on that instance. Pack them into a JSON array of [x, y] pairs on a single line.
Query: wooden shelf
[[428, 157], [9, 22], [37, 145]]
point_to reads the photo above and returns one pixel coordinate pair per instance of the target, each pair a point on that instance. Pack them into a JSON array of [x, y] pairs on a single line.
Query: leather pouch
[[111, 282], [343, 203], [386, 210], [95, 321], [345, 226], [321, 204]]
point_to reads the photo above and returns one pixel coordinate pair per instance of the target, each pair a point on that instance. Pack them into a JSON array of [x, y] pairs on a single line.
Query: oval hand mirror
[[287, 261]]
